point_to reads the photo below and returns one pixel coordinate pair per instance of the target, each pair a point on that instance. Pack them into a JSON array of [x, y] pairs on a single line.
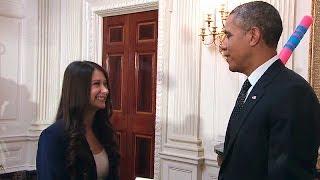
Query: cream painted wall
[[18, 42]]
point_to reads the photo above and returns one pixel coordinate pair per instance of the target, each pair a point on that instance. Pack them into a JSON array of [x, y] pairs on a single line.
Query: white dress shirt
[[256, 74]]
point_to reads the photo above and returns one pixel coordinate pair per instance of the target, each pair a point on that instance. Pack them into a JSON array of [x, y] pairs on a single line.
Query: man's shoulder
[[289, 77], [289, 82]]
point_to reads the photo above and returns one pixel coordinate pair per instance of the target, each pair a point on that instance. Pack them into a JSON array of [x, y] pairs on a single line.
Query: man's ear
[[255, 36]]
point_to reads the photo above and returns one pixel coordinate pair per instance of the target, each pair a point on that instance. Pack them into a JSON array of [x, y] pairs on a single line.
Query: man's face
[[235, 46]]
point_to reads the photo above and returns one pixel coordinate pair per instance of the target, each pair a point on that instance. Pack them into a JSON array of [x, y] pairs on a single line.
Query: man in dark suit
[[273, 131]]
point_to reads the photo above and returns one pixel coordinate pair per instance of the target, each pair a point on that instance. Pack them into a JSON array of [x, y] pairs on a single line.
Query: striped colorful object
[[295, 39]]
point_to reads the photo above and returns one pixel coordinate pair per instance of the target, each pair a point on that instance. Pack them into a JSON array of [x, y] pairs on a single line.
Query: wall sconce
[[211, 30]]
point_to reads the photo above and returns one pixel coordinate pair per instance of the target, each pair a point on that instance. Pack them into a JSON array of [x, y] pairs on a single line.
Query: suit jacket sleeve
[[293, 134], [50, 156]]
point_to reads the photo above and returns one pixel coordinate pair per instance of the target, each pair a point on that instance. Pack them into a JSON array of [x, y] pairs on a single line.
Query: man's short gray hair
[[263, 16]]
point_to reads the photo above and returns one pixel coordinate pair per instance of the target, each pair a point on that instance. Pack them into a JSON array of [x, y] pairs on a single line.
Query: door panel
[[130, 52], [144, 82], [143, 155], [146, 31], [116, 35], [115, 68]]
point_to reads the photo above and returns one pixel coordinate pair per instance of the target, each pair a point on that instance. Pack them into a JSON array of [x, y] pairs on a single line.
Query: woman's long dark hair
[[74, 101]]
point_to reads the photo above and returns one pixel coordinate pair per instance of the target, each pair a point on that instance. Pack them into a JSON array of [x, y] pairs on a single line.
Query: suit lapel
[[255, 95]]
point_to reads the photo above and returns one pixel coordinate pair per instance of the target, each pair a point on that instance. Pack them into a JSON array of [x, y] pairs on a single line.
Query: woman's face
[[99, 90]]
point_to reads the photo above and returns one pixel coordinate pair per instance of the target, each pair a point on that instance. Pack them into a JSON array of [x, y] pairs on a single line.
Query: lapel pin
[[254, 97]]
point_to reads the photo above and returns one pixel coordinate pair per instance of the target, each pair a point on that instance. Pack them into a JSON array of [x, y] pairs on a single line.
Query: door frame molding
[[314, 58], [127, 9], [314, 55], [93, 38]]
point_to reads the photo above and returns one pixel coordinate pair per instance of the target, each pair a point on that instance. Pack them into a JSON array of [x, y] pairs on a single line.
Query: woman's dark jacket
[[51, 157]]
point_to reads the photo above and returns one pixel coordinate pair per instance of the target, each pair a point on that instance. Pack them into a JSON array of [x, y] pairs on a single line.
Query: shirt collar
[[257, 73]]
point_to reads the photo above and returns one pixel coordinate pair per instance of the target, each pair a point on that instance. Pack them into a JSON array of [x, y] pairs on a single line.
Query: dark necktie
[[237, 109], [240, 100]]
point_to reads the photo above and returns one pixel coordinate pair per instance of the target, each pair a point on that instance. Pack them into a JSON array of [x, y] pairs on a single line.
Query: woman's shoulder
[[54, 132]]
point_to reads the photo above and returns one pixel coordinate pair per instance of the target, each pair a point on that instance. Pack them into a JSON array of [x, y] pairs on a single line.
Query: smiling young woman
[[81, 143]]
